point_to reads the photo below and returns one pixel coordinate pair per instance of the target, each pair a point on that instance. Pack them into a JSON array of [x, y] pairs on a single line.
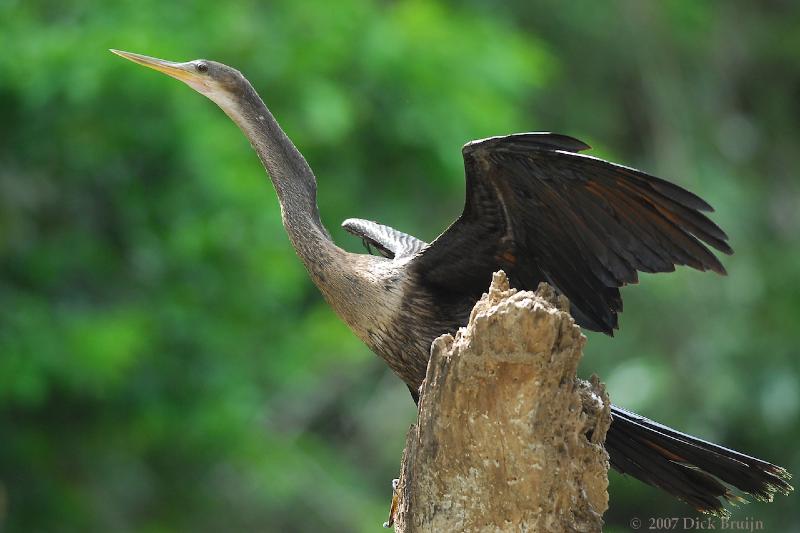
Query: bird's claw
[[393, 507]]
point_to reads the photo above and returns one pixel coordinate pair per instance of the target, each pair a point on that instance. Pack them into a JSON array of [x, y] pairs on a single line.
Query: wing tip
[[349, 223], [531, 140]]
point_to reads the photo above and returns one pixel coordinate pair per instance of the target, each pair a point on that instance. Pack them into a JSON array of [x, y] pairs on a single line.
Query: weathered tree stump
[[508, 439]]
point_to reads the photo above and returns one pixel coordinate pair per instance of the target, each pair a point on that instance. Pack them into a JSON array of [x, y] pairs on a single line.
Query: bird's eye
[[201, 67]]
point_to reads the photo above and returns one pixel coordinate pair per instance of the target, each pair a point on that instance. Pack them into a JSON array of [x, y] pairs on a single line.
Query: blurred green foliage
[[165, 364]]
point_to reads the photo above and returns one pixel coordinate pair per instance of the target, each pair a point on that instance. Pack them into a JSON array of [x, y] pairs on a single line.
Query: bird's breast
[[393, 315]]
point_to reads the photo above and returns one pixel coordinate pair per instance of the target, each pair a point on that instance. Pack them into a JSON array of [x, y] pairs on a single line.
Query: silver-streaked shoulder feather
[[388, 241]]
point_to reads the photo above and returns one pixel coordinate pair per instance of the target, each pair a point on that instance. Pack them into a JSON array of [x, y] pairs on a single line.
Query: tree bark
[[508, 439]]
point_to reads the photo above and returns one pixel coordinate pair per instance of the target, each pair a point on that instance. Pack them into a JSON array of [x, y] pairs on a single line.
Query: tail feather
[[696, 471], [696, 488]]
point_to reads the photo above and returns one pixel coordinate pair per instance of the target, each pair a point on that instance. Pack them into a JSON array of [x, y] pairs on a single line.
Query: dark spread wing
[[388, 241], [542, 212]]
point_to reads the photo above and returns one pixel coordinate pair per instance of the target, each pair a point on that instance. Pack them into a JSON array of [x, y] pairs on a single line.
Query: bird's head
[[220, 83]]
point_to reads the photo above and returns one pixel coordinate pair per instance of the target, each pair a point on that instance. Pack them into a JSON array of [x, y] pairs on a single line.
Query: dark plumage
[[542, 212], [691, 469], [535, 208]]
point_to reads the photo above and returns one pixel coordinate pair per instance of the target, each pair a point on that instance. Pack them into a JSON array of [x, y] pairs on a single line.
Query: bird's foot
[[393, 507]]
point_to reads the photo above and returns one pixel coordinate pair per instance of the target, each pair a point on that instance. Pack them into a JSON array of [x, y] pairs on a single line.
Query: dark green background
[[165, 363]]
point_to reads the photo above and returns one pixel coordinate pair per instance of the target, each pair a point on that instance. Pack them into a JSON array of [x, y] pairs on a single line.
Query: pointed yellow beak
[[181, 71]]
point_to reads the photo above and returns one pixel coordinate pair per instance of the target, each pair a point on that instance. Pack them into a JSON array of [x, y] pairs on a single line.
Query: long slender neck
[[294, 182]]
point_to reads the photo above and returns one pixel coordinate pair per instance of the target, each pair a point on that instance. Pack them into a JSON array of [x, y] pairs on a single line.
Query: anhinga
[[538, 209]]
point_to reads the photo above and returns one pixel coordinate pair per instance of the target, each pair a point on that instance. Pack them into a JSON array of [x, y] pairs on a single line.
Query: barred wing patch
[[388, 241]]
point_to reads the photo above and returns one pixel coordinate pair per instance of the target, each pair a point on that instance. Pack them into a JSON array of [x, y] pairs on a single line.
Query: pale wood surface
[[501, 440]]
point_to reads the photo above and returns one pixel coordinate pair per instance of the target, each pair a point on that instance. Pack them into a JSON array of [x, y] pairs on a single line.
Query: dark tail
[[689, 468]]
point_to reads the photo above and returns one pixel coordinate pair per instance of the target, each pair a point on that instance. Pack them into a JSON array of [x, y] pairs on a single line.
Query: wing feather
[[540, 210], [388, 241]]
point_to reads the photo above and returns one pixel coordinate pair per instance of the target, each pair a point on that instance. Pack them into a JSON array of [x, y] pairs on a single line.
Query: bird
[[536, 207]]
